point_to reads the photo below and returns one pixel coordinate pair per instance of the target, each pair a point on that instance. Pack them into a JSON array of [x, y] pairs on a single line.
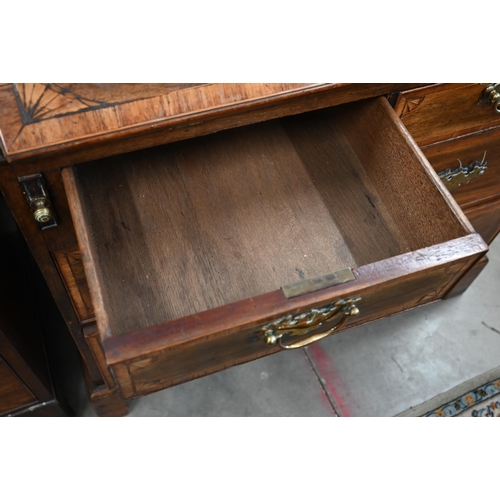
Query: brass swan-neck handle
[[304, 323]]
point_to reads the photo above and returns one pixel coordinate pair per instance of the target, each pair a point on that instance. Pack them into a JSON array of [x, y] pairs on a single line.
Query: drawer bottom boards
[[187, 247]]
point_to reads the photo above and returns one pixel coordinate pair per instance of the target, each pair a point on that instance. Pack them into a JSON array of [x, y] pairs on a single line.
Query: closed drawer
[[485, 219], [478, 148], [477, 192], [188, 247], [440, 112]]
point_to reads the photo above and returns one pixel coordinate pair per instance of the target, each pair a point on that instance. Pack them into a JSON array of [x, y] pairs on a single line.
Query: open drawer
[[189, 248]]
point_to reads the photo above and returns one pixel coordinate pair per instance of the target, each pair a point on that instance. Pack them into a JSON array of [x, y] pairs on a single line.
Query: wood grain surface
[[70, 265], [486, 219], [189, 227], [94, 342], [424, 211], [466, 281], [42, 115], [88, 121], [443, 111]]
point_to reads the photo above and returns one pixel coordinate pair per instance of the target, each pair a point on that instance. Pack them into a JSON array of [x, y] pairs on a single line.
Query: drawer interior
[[178, 229]]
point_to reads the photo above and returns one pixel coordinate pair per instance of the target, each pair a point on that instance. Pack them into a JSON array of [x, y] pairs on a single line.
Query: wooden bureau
[[174, 251]]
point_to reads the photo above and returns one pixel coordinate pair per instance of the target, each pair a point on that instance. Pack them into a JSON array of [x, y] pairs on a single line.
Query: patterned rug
[[481, 402]]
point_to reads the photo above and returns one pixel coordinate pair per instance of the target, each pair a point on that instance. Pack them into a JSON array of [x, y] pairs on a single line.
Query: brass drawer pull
[[36, 194], [302, 324], [491, 95], [41, 210], [454, 178]]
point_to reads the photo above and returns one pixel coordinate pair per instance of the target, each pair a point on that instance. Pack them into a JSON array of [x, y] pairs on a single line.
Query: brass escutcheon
[[304, 323], [454, 178]]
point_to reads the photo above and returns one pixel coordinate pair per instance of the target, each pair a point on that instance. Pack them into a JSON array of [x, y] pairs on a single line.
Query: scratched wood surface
[[193, 226]]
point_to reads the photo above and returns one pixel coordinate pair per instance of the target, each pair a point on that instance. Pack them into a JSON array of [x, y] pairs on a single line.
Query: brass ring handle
[[302, 324]]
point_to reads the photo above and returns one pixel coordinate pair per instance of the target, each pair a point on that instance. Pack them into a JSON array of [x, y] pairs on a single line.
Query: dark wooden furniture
[[25, 383], [170, 250]]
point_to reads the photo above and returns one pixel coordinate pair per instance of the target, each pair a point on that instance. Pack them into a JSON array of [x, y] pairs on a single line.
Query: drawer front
[[440, 112], [197, 346], [485, 219], [468, 279], [469, 150]]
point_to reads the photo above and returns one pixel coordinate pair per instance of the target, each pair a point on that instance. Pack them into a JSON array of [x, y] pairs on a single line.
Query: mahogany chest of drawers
[[458, 130], [174, 251]]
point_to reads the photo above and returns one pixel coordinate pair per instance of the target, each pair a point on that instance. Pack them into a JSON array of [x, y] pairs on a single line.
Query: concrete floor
[[401, 365]]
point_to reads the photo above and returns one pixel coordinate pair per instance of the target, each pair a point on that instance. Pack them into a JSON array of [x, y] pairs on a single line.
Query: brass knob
[[41, 211], [491, 95], [353, 311], [271, 339], [43, 215]]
